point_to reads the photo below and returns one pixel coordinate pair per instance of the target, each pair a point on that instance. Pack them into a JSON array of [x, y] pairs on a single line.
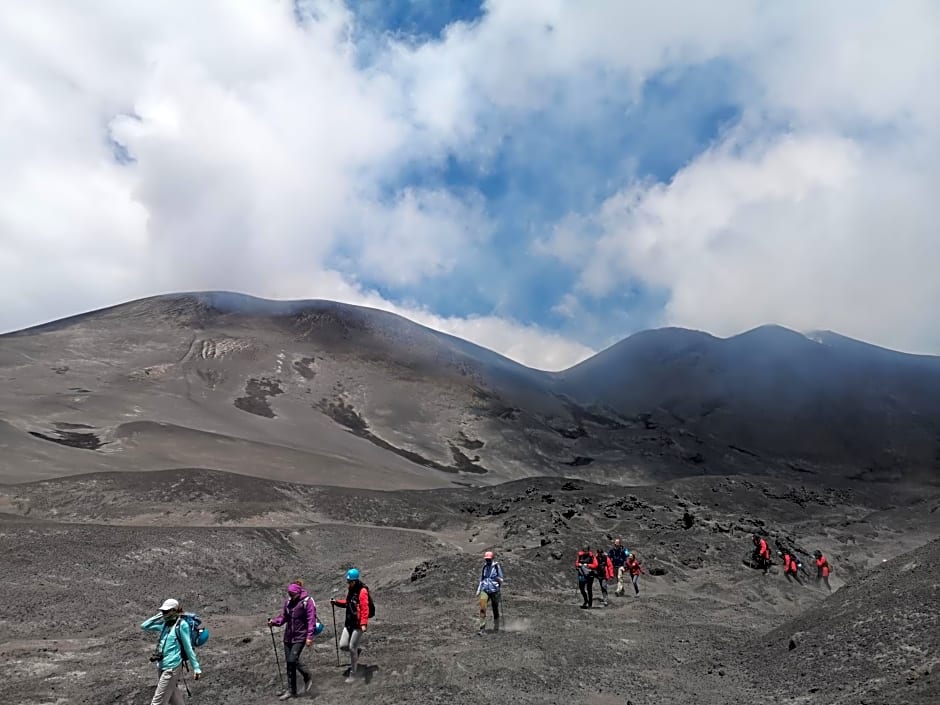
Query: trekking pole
[[277, 658], [335, 635]]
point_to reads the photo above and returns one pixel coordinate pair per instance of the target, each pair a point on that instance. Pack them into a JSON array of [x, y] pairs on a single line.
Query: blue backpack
[[198, 634]]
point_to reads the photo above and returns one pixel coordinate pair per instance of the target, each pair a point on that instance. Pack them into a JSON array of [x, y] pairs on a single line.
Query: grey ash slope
[[326, 393], [700, 631], [875, 640]]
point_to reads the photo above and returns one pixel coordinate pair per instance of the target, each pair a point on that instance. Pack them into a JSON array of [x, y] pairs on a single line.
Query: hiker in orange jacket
[[761, 552], [585, 564], [822, 569], [791, 566]]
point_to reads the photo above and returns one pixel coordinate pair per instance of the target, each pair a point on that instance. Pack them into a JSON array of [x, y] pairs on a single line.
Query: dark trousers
[[586, 586], [292, 657]]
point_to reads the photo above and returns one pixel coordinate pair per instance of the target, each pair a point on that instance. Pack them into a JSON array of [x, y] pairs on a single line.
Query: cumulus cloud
[[263, 147], [815, 211]]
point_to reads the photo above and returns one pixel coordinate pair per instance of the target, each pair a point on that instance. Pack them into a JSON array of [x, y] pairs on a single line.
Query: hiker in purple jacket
[[299, 616]]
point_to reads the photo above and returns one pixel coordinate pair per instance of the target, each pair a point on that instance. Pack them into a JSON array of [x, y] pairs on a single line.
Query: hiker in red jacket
[[761, 553], [586, 564], [822, 569], [356, 605], [791, 566], [603, 572], [634, 567]]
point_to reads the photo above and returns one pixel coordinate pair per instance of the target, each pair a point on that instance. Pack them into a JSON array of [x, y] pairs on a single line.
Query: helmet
[[488, 555], [352, 574]]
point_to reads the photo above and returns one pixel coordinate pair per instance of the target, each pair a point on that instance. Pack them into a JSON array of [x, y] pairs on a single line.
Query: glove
[[196, 675], [270, 622]]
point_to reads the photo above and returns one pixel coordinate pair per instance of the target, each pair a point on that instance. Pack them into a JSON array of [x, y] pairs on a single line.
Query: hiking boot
[[286, 695], [308, 684], [585, 606]]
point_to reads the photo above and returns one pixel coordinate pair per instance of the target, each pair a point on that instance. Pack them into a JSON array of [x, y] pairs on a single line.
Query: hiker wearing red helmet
[[491, 580]]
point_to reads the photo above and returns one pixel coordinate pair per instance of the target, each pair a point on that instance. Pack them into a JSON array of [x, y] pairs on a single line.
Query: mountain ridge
[[331, 390]]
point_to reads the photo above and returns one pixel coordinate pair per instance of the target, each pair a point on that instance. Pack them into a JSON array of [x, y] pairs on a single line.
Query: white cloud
[[831, 224], [808, 232], [263, 150]]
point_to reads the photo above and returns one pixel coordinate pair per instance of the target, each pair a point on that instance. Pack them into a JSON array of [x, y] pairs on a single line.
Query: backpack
[[318, 626], [198, 634], [495, 570], [371, 604]]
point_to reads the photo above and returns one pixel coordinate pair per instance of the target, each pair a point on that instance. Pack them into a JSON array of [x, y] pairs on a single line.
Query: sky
[[542, 177]]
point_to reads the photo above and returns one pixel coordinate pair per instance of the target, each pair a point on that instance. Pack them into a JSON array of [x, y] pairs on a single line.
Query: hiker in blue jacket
[[173, 648], [491, 580], [618, 556]]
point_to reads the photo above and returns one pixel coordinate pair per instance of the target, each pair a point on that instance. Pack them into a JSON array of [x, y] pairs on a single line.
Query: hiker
[[791, 566], [299, 615], [585, 564], [491, 580], [174, 648], [635, 569], [618, 557], [356, 605], [761, 555], [822, 569], [604, 572]]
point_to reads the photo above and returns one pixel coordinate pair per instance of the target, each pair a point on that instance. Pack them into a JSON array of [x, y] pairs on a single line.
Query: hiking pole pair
[[277, 658]]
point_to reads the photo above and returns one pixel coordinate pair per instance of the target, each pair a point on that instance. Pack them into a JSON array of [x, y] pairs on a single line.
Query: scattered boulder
[[422, 570]]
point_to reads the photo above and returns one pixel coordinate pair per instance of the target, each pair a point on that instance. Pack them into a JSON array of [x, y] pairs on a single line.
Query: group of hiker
[[298, 615], [603, 566], [181, 632], [792, 565]]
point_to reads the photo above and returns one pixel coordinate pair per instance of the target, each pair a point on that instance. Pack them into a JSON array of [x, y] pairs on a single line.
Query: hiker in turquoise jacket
[[173, 643]]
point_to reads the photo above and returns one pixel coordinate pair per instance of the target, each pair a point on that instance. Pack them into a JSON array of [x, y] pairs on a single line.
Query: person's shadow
[[365, 672]]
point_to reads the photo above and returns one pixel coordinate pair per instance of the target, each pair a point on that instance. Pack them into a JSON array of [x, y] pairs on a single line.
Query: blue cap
[[352, 574]]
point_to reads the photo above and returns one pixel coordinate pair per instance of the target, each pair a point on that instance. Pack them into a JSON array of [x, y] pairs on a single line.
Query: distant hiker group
[[601, 566], [792, 565]]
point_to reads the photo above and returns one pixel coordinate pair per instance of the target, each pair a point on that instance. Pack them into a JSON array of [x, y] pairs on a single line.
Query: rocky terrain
[[86, 559], [213, 447]]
